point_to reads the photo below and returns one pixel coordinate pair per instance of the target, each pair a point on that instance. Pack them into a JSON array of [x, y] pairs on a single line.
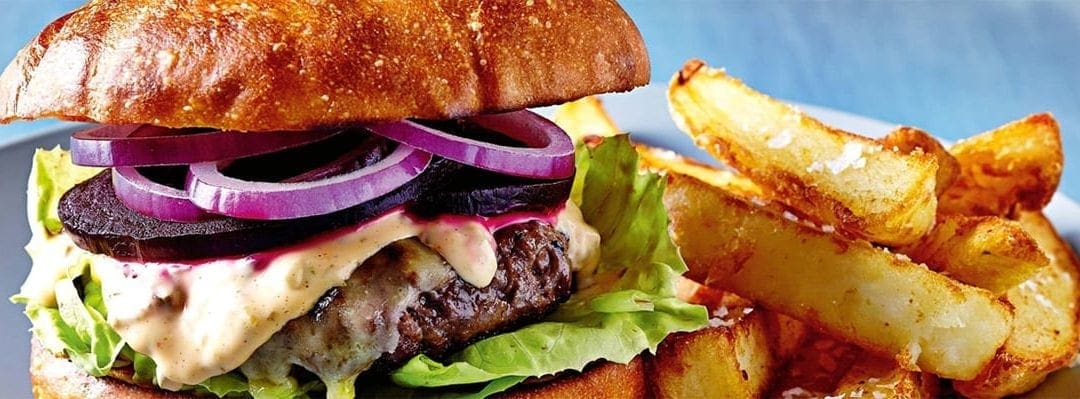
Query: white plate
[[642, 112]]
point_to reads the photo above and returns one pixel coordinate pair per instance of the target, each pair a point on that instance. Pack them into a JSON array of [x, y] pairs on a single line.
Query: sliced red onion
[[154, 199], [549, 153], [371, 150], [211, 190], [146, 145]]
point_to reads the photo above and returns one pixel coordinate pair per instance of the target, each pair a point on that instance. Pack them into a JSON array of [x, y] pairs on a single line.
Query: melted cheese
[[200, 320]]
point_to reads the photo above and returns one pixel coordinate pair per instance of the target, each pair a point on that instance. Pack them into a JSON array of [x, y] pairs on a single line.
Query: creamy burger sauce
[[200, 320], [367, 318]]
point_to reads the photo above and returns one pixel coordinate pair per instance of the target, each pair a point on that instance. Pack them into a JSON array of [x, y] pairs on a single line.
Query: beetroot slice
[[98, 222], [478, 192]]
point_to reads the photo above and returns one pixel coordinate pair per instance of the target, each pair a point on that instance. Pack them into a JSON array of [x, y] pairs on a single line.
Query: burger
[[337, 198]]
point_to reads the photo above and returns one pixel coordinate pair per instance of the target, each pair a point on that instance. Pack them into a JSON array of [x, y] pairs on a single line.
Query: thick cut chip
[[1017, 165], [585, 117], [787, 335], [907, 139], [849, 288], [814, 371], [838, 178], [876, 377], [738, 356], [732, 359], [663, 160], [984, 251], [828, 368], [1044, 337]]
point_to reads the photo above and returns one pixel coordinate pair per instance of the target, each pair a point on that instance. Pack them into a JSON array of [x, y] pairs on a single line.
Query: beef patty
[[406, 300]]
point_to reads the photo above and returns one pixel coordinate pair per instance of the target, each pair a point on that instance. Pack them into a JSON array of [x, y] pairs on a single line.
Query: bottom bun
[[54, 377], [601, 379]]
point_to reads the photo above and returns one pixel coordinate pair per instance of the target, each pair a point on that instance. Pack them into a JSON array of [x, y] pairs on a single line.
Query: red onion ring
[[147, 145], [366, 153], [549, 155], [154, 199], [211, 190]]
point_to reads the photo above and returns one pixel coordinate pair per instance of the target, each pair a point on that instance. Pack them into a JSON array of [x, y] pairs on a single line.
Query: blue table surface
[[954, 68]]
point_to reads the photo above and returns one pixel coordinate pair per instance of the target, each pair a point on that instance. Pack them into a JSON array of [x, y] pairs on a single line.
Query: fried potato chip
[[907, 140], [737, 356], [585, 117], [814, 371], [875, 377], [1017, 165], [828, 368], [732, 359], [1044, 337], [786, 334], [663, 160], [849, 288], [839, 178], [984, 251]]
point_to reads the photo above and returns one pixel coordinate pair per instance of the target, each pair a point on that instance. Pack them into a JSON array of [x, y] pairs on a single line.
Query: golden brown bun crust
[[52, 377], [600, 380], [256, 65], [56, 378]]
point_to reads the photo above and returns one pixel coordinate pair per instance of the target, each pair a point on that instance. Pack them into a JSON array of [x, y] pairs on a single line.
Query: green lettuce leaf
[[76, 324], [51, 330], [626, 207], [287, 389], [631, 313], [97, 345], [229, 384], [51, 176], [144, 367]]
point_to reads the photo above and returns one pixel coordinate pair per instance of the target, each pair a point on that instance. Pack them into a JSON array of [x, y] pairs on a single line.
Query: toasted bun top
[[267, 65]]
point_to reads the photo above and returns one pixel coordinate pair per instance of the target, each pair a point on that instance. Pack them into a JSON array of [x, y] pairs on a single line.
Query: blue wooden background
[[954, 68]]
